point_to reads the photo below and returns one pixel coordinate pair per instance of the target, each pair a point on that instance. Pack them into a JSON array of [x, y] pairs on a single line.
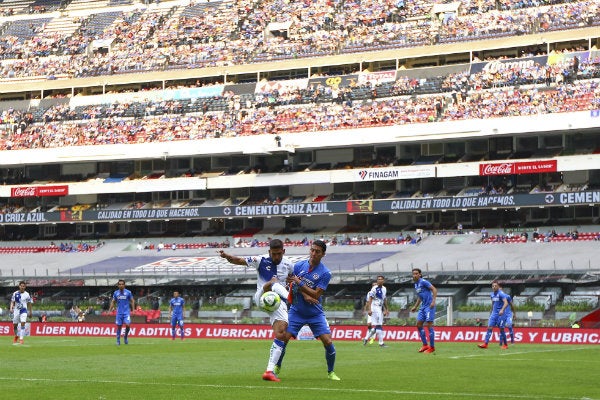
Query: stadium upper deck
[[151, 39], [180, 35]]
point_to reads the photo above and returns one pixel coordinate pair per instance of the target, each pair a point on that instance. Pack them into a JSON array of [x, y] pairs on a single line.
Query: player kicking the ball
[[272, 270]]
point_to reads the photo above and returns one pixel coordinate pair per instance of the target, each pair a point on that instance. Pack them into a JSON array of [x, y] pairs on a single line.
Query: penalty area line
[[316, 389]]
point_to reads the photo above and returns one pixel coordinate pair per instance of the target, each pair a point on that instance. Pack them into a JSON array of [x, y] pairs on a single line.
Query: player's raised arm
[[232, 259]]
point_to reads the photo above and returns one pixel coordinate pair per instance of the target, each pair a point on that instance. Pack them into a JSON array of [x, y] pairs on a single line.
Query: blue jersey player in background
[[309, 281], [122, 300], [499, 306], [176, 309], [507, 321], [426, 295]]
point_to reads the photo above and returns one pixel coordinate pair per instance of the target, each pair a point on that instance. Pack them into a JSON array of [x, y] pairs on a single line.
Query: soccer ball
[[269, 301]]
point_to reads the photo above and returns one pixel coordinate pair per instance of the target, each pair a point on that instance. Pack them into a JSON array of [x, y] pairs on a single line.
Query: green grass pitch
[[95, 368]]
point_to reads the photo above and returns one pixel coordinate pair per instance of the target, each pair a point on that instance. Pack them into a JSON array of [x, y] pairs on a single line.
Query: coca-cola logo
[[28, 191], [32, 191], [497, 169]]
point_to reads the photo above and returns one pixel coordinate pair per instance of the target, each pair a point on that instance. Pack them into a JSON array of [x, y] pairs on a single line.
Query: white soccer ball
[[269, 301]]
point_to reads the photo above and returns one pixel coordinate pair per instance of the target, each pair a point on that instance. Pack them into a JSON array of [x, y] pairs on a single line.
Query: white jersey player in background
[[377, 308], [20, 306], [272, 270], [370, 335]]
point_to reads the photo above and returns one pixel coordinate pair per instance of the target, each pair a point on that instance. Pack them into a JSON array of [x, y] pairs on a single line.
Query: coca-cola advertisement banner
[[342, 332], [524, 167], [39, 191]]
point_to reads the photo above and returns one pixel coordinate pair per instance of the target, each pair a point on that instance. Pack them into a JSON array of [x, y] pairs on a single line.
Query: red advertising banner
[[39, 191], [524, 167], [342, 332]]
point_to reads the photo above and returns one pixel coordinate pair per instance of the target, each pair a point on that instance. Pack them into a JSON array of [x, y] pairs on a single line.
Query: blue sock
[[282, 344], [119, 332], [488, 335], [511, 333], [330, 357], [173, 332], [503, 337], [422, 335], [431, 336], [182, 332], [126, 332]]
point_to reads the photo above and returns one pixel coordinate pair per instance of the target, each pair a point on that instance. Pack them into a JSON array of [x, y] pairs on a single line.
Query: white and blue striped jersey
[[378, 294], [20, 301], [266, 270]]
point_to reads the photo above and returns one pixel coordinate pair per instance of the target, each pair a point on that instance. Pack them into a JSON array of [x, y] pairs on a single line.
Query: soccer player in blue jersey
[[507, 322], [309, 281], [20, 306], [377, 307], [272, 270], [499, 306], [426, 296], [176, 309], [122, 300]]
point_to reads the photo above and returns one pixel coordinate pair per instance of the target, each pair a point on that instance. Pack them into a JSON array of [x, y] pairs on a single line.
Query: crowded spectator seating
[[541, 237], [62, 248], [181, 35]]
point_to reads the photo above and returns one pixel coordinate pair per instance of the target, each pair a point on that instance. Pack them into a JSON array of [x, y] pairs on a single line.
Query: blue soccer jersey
[[498, 301], [123, 299], [507, 317], [423, 289], [318, 277], [177, 304]]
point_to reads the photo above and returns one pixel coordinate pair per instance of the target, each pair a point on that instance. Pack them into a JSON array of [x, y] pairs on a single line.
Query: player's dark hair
[[276, 244], [321, 244], [380, 276], [23, 282], [418, 270]]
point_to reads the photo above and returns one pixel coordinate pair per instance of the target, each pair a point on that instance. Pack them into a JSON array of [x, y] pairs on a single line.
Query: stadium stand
[[187, 124]]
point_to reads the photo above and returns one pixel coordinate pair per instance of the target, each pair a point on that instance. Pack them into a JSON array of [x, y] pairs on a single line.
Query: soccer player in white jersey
[[377, 308], [272, 270], [370, 335], [20, 306]]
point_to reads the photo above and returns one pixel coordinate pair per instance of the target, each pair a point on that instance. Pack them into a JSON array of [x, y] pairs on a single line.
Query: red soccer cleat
[[482, 346], [270, 376], [15, 340], [424, 348], [430, 350], [504, 347]]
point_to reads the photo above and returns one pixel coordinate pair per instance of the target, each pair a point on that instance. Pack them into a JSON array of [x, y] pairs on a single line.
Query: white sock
[[274, 355], [380, 336], [280, 290]]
